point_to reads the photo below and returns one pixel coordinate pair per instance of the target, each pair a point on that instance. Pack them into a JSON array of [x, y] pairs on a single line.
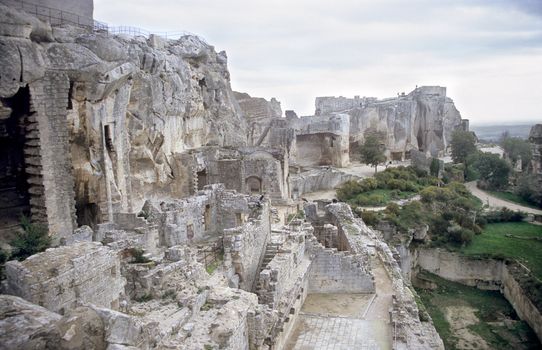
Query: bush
[[348, 190], [529, 190], [460, 235], [369, 217], [502, 215], [138, 256], [33, 239]]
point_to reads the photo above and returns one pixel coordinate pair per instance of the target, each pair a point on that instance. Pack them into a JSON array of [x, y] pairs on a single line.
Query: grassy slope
[[385, 195], [493, 242], [490, 306]]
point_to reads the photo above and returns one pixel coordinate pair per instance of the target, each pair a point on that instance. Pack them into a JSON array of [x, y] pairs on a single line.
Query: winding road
[[492, 201]]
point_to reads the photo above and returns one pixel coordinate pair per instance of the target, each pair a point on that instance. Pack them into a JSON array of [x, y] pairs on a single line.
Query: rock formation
[[423, 120], [105, 114]]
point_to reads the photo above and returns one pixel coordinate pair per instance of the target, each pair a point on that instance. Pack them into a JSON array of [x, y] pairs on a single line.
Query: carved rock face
[[133, 103]]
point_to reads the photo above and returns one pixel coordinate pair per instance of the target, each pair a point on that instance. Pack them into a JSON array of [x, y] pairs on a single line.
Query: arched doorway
[[254, 185]]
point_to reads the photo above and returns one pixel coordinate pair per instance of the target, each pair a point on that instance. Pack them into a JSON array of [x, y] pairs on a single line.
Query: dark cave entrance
[[202, 179], [14, 187], [420, 139]]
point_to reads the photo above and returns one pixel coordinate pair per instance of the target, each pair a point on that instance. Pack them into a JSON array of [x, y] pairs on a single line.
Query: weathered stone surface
[[422, 120], [26, 326], [62, 278], [82, 328], [260, 115], [131, 105]]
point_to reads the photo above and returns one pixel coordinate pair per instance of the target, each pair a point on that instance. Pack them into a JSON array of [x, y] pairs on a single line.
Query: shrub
[[369, 217], [502, 215], [529, 189], [138, 256], [33, 239], [368, 184], [348, 190], [459, 234]]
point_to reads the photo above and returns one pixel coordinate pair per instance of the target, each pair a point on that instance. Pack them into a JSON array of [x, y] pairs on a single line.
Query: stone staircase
[[271, 249]]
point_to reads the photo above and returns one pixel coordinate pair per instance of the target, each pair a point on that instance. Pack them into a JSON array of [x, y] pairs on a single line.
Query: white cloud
[[488, 53]]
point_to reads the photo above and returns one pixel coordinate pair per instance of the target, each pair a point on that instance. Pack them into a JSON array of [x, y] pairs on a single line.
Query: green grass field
[[512, 197], [496, 323], [525, 244]]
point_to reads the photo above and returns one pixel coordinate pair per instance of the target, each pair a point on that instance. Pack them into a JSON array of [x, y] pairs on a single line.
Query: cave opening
[[14, 187], [419, 138], [202, 179]]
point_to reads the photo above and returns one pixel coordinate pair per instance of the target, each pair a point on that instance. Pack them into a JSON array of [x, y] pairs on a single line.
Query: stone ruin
[[422, 120], [172, 200]]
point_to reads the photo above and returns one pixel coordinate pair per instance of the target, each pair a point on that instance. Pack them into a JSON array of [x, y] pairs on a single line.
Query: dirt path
[[486, 198], [379, 309]]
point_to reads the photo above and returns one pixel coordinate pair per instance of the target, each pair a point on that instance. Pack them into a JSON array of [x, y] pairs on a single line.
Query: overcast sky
[[488, 53]]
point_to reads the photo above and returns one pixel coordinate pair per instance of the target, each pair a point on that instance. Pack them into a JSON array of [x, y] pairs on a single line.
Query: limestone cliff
[[421, 120], [118, 109]]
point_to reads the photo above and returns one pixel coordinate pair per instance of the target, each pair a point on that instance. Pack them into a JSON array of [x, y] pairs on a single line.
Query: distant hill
[[493, 132]]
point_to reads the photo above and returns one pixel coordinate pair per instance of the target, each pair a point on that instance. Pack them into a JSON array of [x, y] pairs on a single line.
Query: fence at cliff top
[[57, 17], [134, 31]]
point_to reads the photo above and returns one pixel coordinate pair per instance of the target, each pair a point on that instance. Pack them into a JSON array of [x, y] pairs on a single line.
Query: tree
[[516, 148], [372, 151], [529, 189], [33, 239], [463, 144], [434, 167], [492, 169]]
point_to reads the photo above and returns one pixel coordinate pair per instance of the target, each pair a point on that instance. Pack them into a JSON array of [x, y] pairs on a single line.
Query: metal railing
[[57, 17]]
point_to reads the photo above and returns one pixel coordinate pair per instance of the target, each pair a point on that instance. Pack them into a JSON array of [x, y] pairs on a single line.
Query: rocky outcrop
[[26, 326], [422, 120], [260, 114], [113, 111]]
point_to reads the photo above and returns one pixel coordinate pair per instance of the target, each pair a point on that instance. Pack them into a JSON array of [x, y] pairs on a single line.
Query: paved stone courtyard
[[339, 333]]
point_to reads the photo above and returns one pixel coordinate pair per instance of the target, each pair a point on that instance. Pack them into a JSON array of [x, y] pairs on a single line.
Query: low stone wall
[[60, 279], [283, 273], [282, 288], [480, 273], [409, 332], [524, 307], [483, 274]]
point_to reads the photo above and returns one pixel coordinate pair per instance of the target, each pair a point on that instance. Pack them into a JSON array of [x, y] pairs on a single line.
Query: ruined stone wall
[[75, 11], [49, 100], [244, 247], [409, 332], [514, 293], [260, 114], [422, 120], [62, 278], [282, 276], [334, 271], [322, 140]]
